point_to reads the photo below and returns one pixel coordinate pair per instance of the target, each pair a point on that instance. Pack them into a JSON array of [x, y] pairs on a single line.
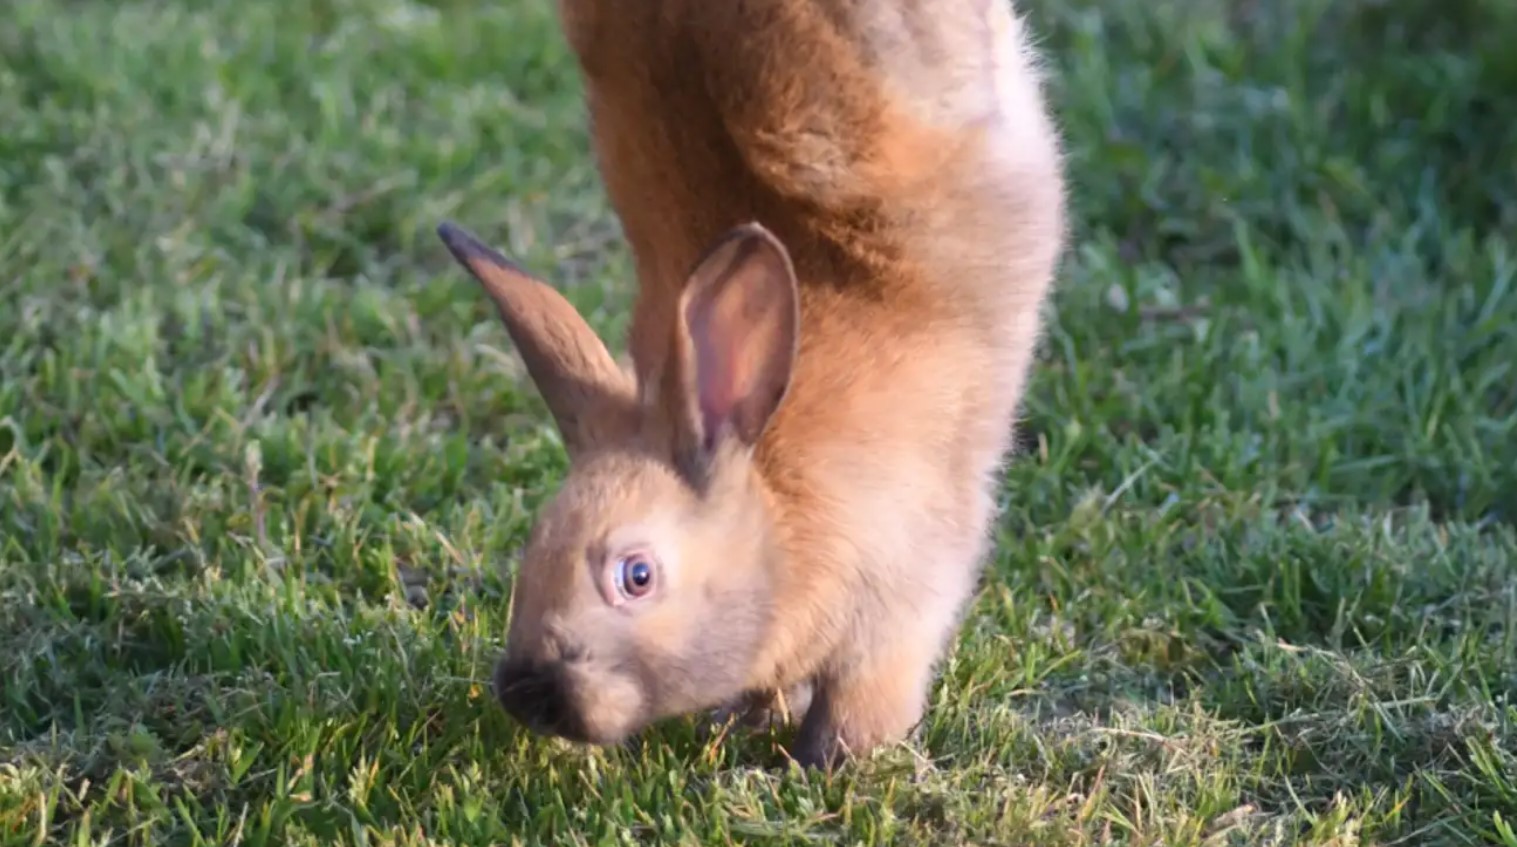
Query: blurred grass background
[[265, 453]]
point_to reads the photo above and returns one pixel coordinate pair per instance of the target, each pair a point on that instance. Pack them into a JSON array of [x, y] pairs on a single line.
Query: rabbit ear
[[584, 389], [739, 322]]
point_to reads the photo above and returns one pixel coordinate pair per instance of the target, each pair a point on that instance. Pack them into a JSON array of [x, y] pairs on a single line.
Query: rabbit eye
[[634, 576]]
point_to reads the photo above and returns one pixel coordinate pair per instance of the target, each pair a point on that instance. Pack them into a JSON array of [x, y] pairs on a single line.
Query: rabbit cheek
[[696, 658]]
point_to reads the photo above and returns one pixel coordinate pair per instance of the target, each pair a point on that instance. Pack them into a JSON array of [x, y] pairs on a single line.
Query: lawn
[[265, 452]]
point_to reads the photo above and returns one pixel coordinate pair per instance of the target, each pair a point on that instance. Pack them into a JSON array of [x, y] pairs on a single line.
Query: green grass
[[1258, 578]]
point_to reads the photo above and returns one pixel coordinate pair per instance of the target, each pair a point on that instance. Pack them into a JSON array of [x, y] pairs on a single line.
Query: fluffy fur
[[846, 216]]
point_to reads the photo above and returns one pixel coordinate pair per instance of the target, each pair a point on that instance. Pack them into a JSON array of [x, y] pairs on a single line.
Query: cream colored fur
[[808, 442]]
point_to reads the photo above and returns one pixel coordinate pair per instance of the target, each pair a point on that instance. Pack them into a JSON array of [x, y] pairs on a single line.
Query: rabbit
[[845, 218]]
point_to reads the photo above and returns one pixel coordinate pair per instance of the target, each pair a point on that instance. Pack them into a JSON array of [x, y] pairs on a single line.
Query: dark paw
[[762, 710], [817, 753]]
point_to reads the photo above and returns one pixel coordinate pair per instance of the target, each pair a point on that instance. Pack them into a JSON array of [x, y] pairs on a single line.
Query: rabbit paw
[[876, 703], [761, 710]]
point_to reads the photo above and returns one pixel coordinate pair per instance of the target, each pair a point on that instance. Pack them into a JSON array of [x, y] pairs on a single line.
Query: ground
[[265, 453]]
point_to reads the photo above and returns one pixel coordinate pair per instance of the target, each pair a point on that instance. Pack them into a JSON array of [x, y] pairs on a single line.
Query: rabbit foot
[[854, 713], [775, 709], [763, 709]]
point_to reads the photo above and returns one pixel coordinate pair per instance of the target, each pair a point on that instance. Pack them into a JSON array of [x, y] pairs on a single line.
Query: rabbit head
[[644, 589]]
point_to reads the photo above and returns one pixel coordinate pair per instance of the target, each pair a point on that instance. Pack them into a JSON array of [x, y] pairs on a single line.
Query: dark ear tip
[[468, 249], [460, 242]]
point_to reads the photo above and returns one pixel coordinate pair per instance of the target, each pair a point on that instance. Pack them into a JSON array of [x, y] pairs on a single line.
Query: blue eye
[[634, 576]]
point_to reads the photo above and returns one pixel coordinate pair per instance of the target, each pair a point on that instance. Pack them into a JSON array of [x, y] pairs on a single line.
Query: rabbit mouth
[[536, 696], [568, 700]]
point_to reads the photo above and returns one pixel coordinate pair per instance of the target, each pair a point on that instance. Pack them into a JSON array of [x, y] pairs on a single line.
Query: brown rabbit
[[845, 216]]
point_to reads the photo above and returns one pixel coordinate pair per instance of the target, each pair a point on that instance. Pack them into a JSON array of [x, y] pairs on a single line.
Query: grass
[[265, 453]]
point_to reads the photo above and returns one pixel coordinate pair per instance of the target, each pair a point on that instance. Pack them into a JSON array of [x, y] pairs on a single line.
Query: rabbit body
[[845, 217]]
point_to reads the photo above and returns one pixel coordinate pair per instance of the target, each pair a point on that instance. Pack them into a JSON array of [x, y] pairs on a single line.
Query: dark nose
[[535, 694]]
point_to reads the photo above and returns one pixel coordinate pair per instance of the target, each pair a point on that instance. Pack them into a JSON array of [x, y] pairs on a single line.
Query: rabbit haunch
[[845, 218]]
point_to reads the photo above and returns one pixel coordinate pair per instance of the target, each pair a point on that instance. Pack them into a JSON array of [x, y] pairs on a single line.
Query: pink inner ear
[[740, 326], [719, 369]]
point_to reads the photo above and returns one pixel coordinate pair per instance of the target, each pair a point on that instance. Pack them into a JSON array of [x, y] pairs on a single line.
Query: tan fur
[[810, 436]]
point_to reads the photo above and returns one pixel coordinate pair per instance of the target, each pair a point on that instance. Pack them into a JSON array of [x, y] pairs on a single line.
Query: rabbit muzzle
[[569, 699]]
